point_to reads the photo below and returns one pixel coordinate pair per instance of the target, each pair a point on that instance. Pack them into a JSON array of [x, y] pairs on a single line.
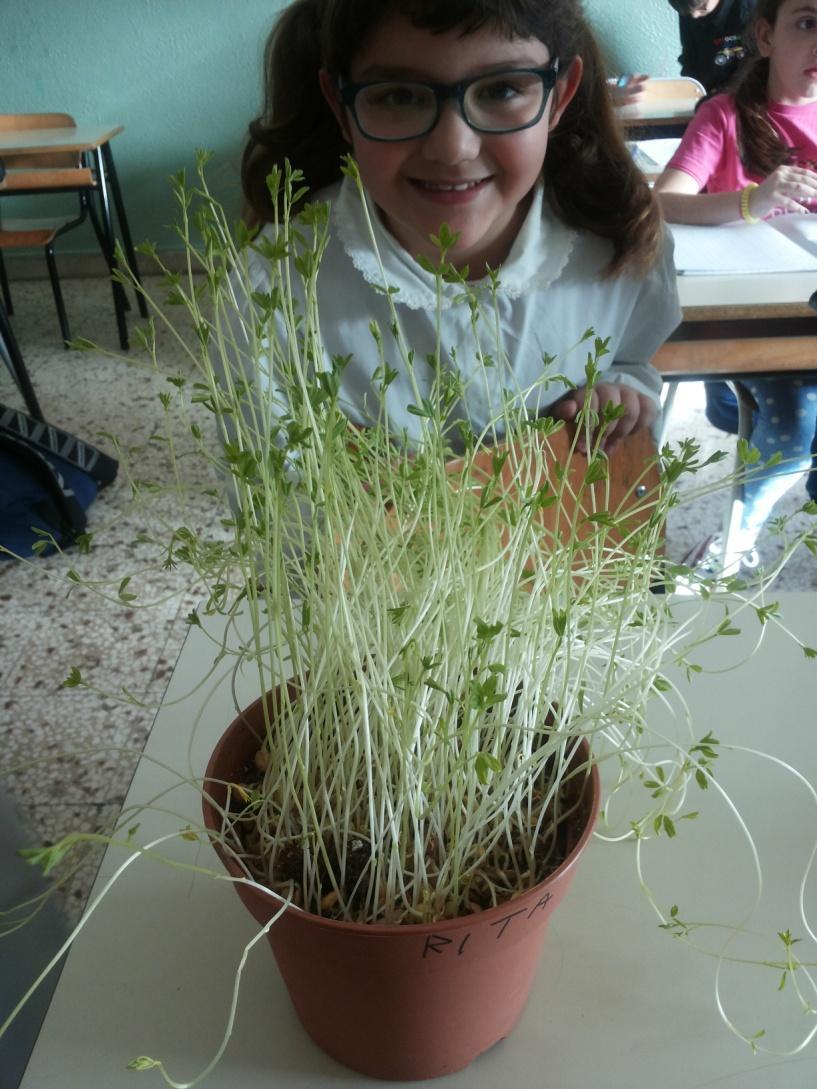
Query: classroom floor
[[44, 631]]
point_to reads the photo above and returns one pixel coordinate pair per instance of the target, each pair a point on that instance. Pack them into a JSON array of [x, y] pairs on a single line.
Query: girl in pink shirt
[[752, 154], [709, 156]]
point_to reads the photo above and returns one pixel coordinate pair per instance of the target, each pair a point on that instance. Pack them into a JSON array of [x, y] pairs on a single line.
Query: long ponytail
[[761, 149]]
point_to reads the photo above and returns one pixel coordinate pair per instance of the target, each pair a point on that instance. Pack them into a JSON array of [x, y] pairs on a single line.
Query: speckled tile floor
[[44, 631]]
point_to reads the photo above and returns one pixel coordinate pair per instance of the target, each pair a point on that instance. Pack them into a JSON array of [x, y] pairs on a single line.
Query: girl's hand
[[628, 90], [787, 189], [639, 411]]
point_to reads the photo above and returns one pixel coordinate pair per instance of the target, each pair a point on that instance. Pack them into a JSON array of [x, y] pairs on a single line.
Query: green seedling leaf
[[83, 543], [664, 823], [754, 1039], [47, 858], [487, 632], [764, 612], [122, 593], [726, 628], [74, 679], [143, 1063], [603, 518], [596, 470], [747, 454], [486, 764]]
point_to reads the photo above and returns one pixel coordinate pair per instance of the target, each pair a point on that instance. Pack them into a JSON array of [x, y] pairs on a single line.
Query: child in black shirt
[[712, 45]]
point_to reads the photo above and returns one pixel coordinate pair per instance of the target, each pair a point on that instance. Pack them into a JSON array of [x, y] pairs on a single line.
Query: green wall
[[637, 35], [182, 74]]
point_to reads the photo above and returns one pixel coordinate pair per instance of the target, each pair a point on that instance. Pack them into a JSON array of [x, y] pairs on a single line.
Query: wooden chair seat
[[20, 181], [31, 232], [663, 88]]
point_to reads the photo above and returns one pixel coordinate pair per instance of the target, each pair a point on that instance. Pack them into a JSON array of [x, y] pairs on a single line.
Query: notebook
[[785, 243]]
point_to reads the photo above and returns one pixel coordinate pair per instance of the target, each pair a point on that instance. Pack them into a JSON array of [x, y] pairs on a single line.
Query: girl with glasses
[[492, 116]]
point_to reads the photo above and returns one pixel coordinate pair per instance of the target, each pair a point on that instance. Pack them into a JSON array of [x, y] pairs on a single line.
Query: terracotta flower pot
[[401, 1002]]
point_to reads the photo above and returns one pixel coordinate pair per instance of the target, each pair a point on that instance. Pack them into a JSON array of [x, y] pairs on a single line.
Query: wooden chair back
[[628, 493], [661, 89]]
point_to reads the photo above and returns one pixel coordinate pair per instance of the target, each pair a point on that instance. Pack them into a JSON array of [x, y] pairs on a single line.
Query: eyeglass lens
[[401, 109]]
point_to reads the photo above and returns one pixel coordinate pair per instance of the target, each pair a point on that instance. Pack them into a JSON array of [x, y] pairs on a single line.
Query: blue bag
[[40, 492], [48, 479]]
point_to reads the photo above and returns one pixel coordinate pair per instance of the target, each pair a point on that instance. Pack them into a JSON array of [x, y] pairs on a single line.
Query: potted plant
[[469, 627]]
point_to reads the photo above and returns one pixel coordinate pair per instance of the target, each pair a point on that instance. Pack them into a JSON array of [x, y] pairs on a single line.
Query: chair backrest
[[14, 122], [665, 88], [632, 489]]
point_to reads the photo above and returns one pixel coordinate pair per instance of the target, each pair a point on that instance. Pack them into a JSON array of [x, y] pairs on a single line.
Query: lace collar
[[537, 258]]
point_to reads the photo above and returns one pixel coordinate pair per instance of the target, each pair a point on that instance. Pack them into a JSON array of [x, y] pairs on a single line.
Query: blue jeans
[[786, 421], [721, 407]]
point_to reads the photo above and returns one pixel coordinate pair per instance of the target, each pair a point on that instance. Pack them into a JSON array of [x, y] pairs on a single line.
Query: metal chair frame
[[89, 182]]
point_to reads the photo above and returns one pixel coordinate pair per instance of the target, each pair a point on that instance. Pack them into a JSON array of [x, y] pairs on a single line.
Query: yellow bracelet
[[745, 193]]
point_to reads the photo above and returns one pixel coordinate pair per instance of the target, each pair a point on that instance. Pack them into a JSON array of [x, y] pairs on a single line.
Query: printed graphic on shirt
[[729, 50]]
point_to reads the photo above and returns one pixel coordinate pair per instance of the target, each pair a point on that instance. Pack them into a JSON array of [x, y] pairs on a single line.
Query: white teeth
[[460, 188]]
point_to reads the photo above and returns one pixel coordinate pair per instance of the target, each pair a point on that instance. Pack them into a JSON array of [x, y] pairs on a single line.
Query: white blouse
[[551, 290]]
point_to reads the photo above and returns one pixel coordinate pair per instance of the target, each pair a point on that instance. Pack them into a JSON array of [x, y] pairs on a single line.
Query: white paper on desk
[[653, 154], [740, 247], [800, 228]]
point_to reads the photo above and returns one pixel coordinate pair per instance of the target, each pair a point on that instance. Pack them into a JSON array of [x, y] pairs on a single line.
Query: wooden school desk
[[93, 143], [738, 325], [617, 1003]]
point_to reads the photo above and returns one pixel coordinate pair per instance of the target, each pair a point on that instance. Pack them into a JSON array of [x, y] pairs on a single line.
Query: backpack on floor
[[44, 494]]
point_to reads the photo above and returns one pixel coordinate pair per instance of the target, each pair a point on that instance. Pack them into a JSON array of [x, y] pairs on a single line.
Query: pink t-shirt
[[708, 151]]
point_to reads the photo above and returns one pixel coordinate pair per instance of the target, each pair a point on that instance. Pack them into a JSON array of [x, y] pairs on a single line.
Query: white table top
[[617, 1003], [727, 289], [65, 138], [747, 289]]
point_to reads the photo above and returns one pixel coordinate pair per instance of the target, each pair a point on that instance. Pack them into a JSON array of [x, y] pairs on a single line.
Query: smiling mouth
[[449, 187]]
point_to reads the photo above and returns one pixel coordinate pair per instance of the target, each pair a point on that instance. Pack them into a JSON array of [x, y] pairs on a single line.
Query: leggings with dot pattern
[[785, 421]]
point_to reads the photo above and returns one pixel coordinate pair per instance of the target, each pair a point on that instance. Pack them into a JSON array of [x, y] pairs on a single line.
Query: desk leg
[[669, 392], [10, 348], [122, 218], [734, 514], [119, 299]]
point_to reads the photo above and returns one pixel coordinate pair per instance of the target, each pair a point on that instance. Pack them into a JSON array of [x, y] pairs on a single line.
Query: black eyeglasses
[[404, 109]]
